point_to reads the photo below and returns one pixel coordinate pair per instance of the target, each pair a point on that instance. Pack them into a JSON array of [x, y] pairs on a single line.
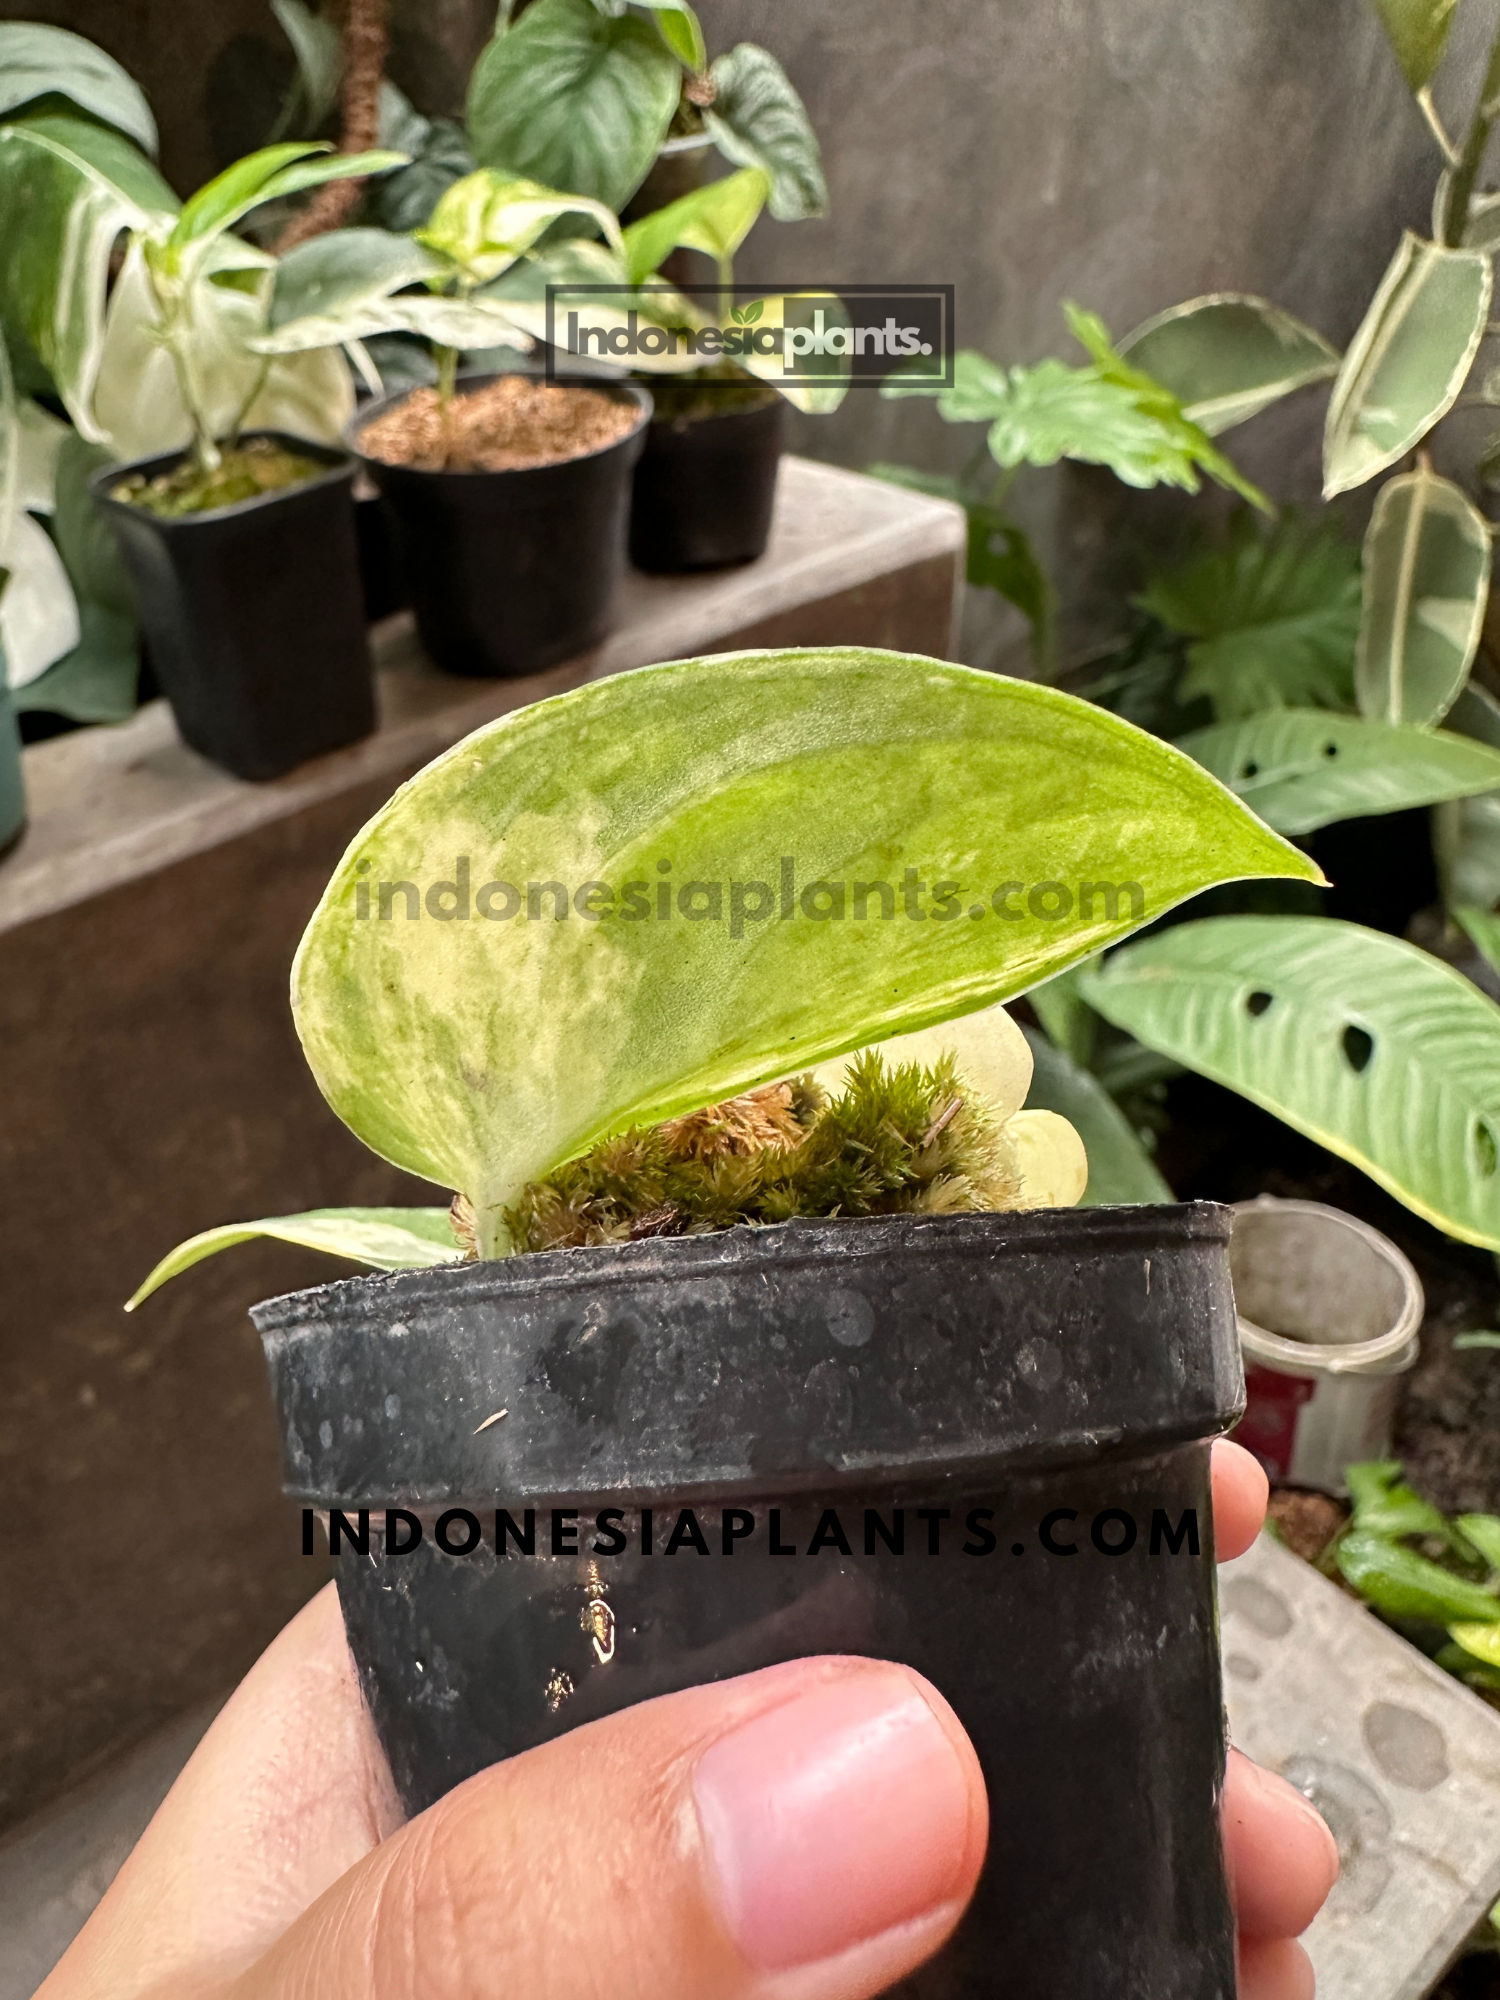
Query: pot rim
[[367, 413], [748, 1246], [339, 464], [1387, 1353]]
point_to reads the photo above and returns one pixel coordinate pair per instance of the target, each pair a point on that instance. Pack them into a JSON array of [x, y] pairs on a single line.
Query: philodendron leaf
[[758, 120], [715, 219], [1406, 364], [1376, 1050], [1301, 768], [387, 1239], [1426, 584], [1419, 32], [573, 99], [41, 61], [1403, 1584], [1273, 616], [67, 190], [1120, 1168], [807, 805], [1227, 356]]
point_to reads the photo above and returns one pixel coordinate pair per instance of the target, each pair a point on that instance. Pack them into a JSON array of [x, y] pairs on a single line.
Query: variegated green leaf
[[37, 60], [1300, 768], [482, 1051], [758, 120], [484, 222], [1381, 1053], [387, 1239], [715, 219], [68, 189], [1426, 583], [1227, 356], [1120, 1168], [1405, 366]]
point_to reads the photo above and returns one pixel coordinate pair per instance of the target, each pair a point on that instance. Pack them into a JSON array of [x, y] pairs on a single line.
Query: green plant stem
[[1466, 172], [232, 436], [205, 450], [447, 374]]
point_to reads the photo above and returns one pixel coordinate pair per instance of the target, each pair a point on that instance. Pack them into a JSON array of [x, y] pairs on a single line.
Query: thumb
[[811, 1832]]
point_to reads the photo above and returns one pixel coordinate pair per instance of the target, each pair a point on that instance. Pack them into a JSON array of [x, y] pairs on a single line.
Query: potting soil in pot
[[513, 423], [244, 472]]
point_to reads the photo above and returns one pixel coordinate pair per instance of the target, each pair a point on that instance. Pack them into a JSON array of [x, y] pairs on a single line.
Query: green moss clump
[[244, 472], [897, 1140]]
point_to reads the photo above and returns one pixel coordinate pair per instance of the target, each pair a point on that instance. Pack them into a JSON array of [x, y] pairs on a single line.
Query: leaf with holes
[[1384, 1055], [1120, 1168], [758, 120], [1301, 768], [1403, 1584], [1228, 356], [1426, 584], [1406, 364], [1273, 616], [1419, 33], [574, 99]]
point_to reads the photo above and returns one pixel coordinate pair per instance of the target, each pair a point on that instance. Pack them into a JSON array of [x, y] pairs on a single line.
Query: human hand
[[810, 1832]]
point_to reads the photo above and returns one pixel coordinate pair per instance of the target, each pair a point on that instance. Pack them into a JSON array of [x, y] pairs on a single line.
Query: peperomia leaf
[[66, 186], [573, 99], [1406, 364], [1374, 1049], [1403, 1584], [1426, 583], [37, 60], [1419, 32], [1302, 768], [860, 843], [1273, 616], [387, 1239], [1228, 356], [757, 120], [715, 219]]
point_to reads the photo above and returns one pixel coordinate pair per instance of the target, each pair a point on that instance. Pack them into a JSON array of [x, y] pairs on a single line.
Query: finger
[[1274, 1969], [1241, 1491], [1282, 1858], [287, 1790], [811, 1832]]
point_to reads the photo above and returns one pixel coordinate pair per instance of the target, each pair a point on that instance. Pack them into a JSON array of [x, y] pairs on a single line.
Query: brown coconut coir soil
[[508, 426]]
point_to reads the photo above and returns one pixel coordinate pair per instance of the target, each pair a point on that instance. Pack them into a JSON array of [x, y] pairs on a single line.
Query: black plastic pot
[[705, 488], [381, 580], [1052, 1377], [253, 615], [511, 572]]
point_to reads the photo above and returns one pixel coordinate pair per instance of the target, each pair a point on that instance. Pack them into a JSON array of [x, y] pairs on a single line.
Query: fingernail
[[836, 1816], [1282, 1792]]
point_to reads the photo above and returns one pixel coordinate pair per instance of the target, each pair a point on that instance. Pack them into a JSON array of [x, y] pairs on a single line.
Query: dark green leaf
[[574, 100], [1403, 1584], [85, 540], [96, 682], [404, 200], [1273, 616], [758, 120], [41, 61], [1120, 1169]]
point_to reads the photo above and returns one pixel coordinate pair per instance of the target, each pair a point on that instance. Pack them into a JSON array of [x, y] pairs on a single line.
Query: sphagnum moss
[[898, 1139]]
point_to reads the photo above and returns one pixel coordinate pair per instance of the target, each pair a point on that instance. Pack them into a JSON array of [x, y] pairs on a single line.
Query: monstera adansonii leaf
[[1378, 1051], [662, 888]]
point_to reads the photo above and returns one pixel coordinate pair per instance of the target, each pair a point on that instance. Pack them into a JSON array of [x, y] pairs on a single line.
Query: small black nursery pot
[[978, 1444], [705, 488], [511, 572], [253, 614]]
